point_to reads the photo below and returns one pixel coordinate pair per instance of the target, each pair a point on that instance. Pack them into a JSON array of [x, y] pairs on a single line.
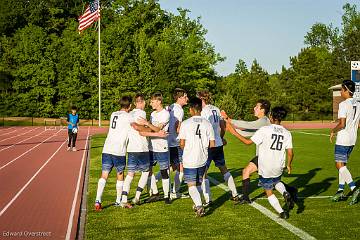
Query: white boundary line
[[31, 179], [27, 151], [21, 141], [313, 197], [72, 213], [12, 131], [19, 134], [297, 231], [316, 134], [2, 130]]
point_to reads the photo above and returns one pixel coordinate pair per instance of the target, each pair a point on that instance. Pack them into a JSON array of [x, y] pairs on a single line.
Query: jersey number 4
[[277, 142], [113, 123], [198, 133]]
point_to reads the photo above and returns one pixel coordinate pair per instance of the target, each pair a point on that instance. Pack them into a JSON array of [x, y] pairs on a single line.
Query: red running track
[[40, 182]]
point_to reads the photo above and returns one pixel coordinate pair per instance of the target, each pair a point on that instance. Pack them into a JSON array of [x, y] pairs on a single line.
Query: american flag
[[91, 14]]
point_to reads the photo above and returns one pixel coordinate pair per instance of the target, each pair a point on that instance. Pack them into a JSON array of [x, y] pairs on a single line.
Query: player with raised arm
[[346, 130], [216, 154], [272, 141], [196, 136]]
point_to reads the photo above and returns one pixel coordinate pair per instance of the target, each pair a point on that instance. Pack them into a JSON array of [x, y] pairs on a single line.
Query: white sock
[[126, 188], [206, 190], [154, 188], [275, 203], [347, 177], [176, 187], [166, 187], [195, 196], [100, 189], [341, 182], [181, 177], [158, 176], [200, 191], [119, 188], [231, 184], [142, 183], [280, 188]]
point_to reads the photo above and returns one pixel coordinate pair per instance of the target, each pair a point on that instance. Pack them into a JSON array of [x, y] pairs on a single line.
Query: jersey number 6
[[113, 124]]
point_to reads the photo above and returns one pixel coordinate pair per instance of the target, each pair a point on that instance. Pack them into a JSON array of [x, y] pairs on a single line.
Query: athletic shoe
[[69, 149], [294, 194], [288, 201], [236, 199], [208, 204], [167, 200], [126, 205], [117, 204], [355, 196], [178, 195], [284, 215], [244, 199], [194, 208], [136, 201], [153, 198], [97, 206], [339, 196], [200, 211], [74, 149]]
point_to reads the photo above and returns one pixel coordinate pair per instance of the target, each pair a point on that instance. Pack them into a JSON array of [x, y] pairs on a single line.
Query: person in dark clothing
[[73, 124]]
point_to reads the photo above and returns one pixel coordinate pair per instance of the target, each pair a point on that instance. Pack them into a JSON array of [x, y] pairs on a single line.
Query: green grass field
[[313, 173]]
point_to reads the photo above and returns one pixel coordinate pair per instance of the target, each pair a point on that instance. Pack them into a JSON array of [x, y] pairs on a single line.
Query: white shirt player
[[212, 114], [117, 137], [197, 132], [273, 141], [137, 143], [349, 109], [176, 114], [157, 118]]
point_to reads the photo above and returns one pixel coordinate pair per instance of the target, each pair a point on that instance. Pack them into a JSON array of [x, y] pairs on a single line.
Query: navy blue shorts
[[342, 153], [109, 161], [217, 155], [194, 175], [268, 183], [160, 157], [138, 161], [176, 155]]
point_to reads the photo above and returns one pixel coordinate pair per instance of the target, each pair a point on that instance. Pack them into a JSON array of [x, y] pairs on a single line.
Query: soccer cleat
[[97, 206], [126, 205], [167, 200], [339, 196], [288, 201], [236, 199], [74, 149], [208, 204], [153, 198], [200, 211], [136, 201], [69, 149], [284, 215], [355, 197], [194, 208], [294, 194], [244, 199], [178, 195]]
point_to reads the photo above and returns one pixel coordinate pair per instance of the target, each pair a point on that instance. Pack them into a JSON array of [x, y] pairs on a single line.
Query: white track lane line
[[27, 151], [31, 179], [19, 134], [315, 134], [21, 141], [11, 132], [72, 213], [297, 231]]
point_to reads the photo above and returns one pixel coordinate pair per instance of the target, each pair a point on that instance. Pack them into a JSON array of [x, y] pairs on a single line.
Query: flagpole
[[99, 72]]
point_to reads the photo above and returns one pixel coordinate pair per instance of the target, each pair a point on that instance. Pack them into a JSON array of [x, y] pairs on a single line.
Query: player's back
[[349, 109], [176, 114], [137, 143], [212, 114], [197, 132], [117, 136]]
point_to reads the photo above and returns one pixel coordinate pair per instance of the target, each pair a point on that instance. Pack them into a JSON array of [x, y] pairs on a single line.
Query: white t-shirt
[[157, 118], [118, 134], [197, 132], [212, 114], [349, 109], [176, 115], [137, 143], [272, 140]]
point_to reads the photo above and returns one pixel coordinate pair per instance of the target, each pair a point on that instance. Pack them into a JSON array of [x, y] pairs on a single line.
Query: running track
[[40, 182]]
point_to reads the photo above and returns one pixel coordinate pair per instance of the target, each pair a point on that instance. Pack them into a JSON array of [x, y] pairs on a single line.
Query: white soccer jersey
[[212, 114], [349, 109], [197, 132], [272, 140], [118, 134], [137, 143], [157, 118], [176, 115]]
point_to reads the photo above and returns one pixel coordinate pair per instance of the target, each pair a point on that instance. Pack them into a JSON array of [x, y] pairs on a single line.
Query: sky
[[270, 31]]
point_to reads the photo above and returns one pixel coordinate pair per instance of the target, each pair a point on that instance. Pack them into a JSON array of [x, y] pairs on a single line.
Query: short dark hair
[[139, 97], [125, 102], [157, 96], [265, 104], [278, 113], [178, 93], [196, 104], [348, 85], [73, 108], [204, 95]]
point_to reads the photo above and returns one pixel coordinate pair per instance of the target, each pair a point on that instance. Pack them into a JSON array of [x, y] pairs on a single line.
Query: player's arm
[[182, 143], [290, 157], [146, 123], [160, 134], [341, 125], [140, 128], [211, 143], [230, 128]]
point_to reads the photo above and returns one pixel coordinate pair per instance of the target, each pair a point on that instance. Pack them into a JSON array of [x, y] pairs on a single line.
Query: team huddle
[[189, 146]]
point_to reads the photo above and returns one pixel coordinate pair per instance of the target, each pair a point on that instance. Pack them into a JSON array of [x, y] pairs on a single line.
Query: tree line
[[46, 65]]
